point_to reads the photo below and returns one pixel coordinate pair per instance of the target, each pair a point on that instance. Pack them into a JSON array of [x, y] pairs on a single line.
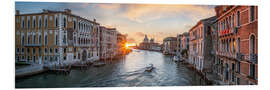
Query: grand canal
[[128, 71]]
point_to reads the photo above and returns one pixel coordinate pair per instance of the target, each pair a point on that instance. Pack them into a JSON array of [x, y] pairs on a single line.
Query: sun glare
[[127, 45]]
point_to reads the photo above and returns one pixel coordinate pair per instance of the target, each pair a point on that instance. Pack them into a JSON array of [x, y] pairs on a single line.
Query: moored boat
[[176, 59], [99, 64]]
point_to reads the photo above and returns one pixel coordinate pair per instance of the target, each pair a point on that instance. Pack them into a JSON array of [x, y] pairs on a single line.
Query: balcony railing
[[228, 31], [253, 58]]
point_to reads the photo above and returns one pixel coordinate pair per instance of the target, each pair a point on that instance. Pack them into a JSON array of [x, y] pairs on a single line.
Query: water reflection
[[128, 71]]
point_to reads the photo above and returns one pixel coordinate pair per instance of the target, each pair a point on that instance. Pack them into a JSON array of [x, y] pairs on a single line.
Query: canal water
[[127, 71]]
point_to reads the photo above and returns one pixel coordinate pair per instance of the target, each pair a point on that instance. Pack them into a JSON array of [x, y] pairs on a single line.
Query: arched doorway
[[84, 55]]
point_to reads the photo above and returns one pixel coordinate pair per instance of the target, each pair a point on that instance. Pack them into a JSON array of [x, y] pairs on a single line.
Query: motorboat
[[149, 68]]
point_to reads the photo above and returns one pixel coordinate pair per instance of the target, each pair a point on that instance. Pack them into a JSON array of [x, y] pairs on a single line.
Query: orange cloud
[[109, 6], [139, 34], [145, 12]]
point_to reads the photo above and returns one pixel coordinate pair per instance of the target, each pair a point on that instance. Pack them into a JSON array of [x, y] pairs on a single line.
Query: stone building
[[200, 45], [179, 45], [170, 45], [237, 51], [185, 45], [108, 42], [54, 37], [149, 44]]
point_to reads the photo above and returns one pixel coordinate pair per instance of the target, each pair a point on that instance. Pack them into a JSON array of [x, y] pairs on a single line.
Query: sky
[[135, 20]]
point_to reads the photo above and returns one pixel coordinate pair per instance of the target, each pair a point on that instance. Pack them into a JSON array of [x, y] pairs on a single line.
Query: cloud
[[109, 6], [131, 40], [144, 12], [139, 34]]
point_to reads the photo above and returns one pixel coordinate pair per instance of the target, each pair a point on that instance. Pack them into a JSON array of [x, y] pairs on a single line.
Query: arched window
[[252, 44], [238, 18], [34, 23], [34, 39], [28, 23], [74, 25], [39, 23], [22, 22], [56, 22], [79, 25], [28, 39], [39, 39], [252, 13], [64, 39], [46, 22], [23, 40], [46, 39], [56, 38], [65, 23], [234, 45], [238, 45], [232, 21]]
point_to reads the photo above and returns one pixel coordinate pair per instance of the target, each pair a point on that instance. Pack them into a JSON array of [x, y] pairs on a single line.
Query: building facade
[[170, 45], [108, 42], [179, 45], [185, 46], [53, 37], [149, 44], [237, 29], [201, 45]]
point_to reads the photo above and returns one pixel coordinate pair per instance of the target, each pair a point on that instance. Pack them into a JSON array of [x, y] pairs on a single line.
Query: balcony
[[253, 58], [227, 31]]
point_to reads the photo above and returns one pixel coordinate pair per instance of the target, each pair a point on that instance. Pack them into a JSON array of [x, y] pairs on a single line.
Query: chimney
[[17, 12], [44, 11], [68, 11]]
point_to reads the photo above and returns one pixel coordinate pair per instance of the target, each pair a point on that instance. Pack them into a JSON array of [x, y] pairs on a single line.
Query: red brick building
[[237, 29]]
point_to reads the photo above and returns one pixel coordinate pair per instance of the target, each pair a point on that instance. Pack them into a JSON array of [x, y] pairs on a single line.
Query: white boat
[[149, 68], [175, 58]]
